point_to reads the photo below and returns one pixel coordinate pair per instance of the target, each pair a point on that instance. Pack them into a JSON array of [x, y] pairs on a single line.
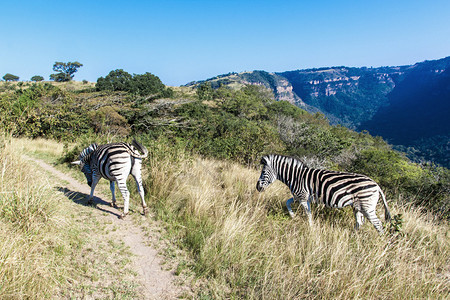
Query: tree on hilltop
[[65, 71], [37, 78], [10, 77]]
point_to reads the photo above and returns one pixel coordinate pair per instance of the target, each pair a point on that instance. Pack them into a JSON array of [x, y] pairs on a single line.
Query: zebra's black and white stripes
[[114, 162], [333, 189]]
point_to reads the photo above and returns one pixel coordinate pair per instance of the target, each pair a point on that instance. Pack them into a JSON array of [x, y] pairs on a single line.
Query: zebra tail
[[387, 214], [141, 149]]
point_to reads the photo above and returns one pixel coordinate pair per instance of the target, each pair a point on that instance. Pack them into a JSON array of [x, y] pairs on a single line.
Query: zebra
[[331, 188], [114, 162]]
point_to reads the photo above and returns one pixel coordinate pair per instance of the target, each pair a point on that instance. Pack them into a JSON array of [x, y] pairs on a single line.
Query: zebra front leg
[[288, 205], [112, 188], [95, 180]]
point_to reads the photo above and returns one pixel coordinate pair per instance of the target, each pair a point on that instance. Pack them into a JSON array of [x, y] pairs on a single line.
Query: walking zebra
[[114, 162], [331, 188]]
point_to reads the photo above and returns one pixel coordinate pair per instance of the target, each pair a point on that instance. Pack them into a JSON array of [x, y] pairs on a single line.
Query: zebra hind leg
[[372, 217], [140, 189]]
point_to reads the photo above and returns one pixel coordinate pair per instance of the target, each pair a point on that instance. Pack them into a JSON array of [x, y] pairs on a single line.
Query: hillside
[[238, 124], [204, 150], [387, 101]]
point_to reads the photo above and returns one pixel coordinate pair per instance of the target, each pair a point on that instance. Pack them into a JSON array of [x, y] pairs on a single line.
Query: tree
[[10, 77], [65, 71], [116, 80], [37, 78]]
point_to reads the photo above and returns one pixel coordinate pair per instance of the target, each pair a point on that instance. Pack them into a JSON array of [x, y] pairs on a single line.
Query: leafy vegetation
[[146, 84], [43, 110], [238, 125], [406, 105]]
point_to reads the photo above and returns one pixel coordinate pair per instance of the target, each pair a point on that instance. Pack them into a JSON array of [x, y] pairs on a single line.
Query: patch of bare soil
[[155, 282]]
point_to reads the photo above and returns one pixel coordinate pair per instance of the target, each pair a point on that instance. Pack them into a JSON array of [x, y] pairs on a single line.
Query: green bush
[[42, 110], [425, 186], [143, 85], [116, 80]]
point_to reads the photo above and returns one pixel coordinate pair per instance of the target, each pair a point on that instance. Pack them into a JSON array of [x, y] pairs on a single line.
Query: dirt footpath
[[156, 282]]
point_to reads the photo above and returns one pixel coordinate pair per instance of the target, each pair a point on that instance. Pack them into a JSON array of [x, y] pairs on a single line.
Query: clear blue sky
[[182, 41]]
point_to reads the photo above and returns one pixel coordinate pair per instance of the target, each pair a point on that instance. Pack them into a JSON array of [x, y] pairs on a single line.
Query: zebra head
[[84, 162], [268, 174]]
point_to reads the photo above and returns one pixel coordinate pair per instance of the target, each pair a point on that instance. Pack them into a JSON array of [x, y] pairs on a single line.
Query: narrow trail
[[156, 282]]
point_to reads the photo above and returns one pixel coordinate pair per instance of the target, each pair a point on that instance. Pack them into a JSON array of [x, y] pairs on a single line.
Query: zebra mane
[[85, 155], [277, 158]]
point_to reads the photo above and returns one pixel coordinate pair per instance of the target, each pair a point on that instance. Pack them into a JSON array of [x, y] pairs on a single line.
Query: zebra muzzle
[[259, 187]]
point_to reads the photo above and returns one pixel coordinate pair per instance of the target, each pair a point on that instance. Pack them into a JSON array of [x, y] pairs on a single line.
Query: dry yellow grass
[[243, 245], [32, 239], [70, 85]]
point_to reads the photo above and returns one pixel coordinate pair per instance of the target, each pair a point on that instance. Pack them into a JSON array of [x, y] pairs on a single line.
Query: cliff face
[[346, 96]]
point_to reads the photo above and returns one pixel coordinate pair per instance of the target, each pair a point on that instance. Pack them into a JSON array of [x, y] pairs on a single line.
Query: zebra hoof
[[113, 204], [122, 216], [145, 210]]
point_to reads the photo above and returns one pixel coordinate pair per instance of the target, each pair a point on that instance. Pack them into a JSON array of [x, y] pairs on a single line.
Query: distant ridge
[[407, 105]]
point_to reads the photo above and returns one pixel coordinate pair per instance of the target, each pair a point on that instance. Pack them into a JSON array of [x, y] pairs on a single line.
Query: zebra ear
[[77, 162]]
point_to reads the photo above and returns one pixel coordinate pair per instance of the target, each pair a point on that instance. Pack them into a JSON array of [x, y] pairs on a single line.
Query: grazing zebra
[[331, 188], [114, 162]]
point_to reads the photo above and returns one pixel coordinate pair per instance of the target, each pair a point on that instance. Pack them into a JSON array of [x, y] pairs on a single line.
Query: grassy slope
[[52, 247], [239, 243], [243, 245]]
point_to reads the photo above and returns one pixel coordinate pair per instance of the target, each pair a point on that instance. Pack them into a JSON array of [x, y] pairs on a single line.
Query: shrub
[[428, 187], [143, 85], [117, 80]]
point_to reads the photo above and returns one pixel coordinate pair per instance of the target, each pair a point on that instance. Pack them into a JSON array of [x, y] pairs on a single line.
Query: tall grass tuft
[[243, 245], [32, 242]]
